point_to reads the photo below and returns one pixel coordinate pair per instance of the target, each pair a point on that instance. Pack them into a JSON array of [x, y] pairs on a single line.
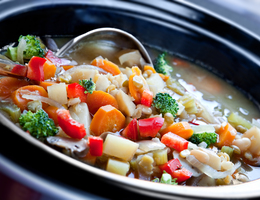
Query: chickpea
[[242, 143]]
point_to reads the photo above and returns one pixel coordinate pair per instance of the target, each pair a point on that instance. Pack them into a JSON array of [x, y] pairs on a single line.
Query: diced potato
[[80, 73], [125, 103], [130, 57], [155, 82], [160, 156], [254, 135], [119, 147], [234, 119], [58, 92], [81, 114], [102, 83], [117, 167]]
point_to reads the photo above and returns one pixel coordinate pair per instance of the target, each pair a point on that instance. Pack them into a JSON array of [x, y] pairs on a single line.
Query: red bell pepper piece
[[174, 141], [55, 60], [131, 131], [76, 90], [35, 68], [181, 174], [147, 98], [70, 126], [95, 146], [149, 127], [20, 70], [170, 166]]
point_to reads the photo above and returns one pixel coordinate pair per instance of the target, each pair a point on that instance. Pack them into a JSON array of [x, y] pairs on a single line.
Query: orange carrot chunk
[[98, 99], [29, 90], [106, 65], [8, 85], [227, 134], [182, 129], [49, 70], [52, 112], [107, 118]]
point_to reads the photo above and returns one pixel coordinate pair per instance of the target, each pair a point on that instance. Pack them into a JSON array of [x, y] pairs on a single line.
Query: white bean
[[200, 155], [242, 143]]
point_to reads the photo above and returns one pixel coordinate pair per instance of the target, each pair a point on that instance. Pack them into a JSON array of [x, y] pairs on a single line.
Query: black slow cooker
[[192, 33]]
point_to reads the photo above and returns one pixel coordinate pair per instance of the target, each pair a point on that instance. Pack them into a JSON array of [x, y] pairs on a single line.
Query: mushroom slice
[[76, 148]]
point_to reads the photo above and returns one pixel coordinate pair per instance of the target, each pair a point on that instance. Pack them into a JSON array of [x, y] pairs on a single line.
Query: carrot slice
[[107, 118], [98, 99], [227, 134], [135, 89], [182, 129], [45, 84], [29, 89], [67, 67], [148, 67], [106, 65], [49, 70], [52, 112], [8, 85]]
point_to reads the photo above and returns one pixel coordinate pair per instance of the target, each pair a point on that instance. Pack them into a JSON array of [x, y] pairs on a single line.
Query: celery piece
[[228, 150], [12, 110], [160, 156], [203, 128], [12, 53], [234, 119]]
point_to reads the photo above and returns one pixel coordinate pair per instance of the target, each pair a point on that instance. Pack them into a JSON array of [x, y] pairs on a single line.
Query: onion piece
[[72, 70], [44, 100], [209, 171], [186, 165], [20, 49], [150, 145]]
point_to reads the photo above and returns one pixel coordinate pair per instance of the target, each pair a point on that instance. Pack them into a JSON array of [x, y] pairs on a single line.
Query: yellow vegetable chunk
[[119, 147], [117, 167], [254, 135], [58, 92]]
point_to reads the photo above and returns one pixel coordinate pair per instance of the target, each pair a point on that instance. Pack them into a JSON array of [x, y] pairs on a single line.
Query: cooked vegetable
[[125, 103], [117, 167], [35, 69], [160, 156], [70, 126], [12, 110], [95, 146], [76, 90], [131, 131], [98, 99], [166, 178], [161, 65], [228, 150], [147, 98], [52, 113], [38, 124], [164, 103], [182, 129], [234, 119], [49, 70], [33, 47], [8, 85], [174, 141], [106, 65], [254, 135], [208, 137], [181, 175], [227, 134], [58, 92], [89, 85], [119, 147], [107, 118], [20, 70], [171, 166], [17, 95], [149, 127]]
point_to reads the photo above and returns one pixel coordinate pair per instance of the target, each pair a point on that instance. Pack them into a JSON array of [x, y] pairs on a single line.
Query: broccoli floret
[[34, 47], [89, 85], [208, 137], [161, 65], [38, 124], [165, 104]]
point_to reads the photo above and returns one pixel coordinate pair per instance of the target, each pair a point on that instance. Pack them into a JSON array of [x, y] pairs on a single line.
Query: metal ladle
[[114, 36]]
